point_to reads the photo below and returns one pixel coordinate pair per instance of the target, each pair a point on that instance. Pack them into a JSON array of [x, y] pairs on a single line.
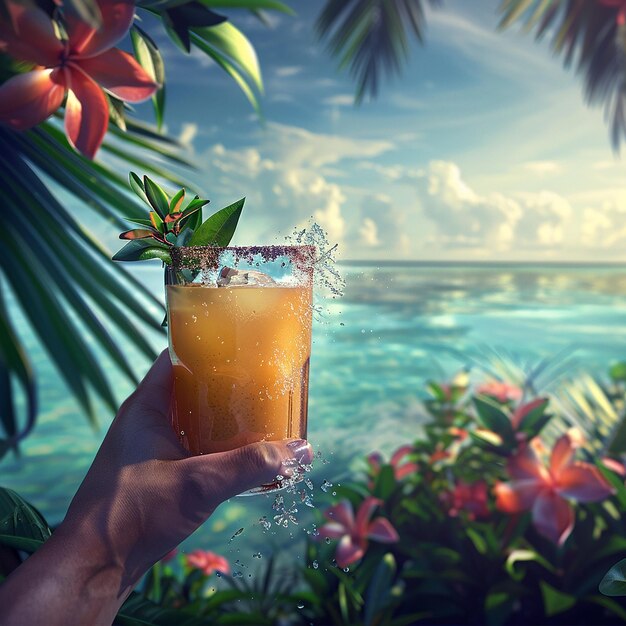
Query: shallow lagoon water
[[396, 327]]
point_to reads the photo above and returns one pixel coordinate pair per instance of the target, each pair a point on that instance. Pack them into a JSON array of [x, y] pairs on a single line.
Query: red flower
[[79, 67], [502, 392], [207, 562], [469, 497], [620, 5], [545, 491], [354, 533], [400, 468]]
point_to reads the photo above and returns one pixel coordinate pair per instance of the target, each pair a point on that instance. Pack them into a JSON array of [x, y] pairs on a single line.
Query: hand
[[141, 497]]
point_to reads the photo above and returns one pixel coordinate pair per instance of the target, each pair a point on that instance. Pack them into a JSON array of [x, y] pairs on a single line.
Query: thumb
[[227, 474]]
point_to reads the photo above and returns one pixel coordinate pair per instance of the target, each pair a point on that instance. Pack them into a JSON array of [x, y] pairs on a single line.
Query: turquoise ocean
[[396, 327]]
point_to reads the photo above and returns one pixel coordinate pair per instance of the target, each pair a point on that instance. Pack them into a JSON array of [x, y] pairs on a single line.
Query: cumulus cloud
[[464, 218], [543, 168], [494, 221], [288, 70], [188, 133], [342, 100], [605, 226], [287, 178]]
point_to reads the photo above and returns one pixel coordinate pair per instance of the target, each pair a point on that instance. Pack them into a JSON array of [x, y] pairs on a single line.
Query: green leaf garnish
[[218, 229]]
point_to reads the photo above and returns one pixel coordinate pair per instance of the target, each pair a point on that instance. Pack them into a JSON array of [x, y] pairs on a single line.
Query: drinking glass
[[239, 327]]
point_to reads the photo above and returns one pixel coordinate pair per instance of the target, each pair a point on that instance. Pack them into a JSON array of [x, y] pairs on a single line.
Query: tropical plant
[[370, 37], [480, 490], [54, 271]]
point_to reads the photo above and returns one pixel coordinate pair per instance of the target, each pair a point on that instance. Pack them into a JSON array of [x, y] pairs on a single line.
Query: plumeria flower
[[207, 562], [500, 391], [471, 498], [620, 5], [79, 68], [545, 491], [354, 532], [402, 467]]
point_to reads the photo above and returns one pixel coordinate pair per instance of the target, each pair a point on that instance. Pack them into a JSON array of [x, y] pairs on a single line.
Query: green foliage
[[170, 224]]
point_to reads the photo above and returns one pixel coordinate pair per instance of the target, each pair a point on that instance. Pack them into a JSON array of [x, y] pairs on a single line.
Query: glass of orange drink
[[239, 322]]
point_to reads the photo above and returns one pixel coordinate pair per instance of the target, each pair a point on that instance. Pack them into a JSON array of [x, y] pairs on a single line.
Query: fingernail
[[301, 450]]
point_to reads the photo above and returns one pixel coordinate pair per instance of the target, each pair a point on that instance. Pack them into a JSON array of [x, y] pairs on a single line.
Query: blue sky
[[482, 150]]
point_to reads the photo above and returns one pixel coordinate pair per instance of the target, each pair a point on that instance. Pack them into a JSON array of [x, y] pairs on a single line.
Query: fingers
[[226, 474]]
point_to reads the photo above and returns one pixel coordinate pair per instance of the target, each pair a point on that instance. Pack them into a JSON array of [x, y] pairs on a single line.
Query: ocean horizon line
[[488, 264]]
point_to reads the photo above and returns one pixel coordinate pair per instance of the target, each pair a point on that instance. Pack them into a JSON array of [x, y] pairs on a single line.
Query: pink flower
[[469, 497], [545, 491], [207, 562], [502, 392], [401, 466], [80, 67], [620, 5], [353, 533]]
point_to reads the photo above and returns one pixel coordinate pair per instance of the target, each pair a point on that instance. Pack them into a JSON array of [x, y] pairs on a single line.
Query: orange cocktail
[[241, 357]]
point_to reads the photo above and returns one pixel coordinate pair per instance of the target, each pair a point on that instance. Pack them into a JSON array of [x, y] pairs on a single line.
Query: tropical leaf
[[371, 36], [218, 229], [585, 34], [20, 519]]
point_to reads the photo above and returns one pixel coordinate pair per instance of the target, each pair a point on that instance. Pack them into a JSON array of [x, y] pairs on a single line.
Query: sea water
[[396, 327]]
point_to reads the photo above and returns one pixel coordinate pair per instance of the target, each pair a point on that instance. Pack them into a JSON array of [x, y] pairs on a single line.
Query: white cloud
[[285, 179], [188, 133], [341, 100], [604, 227], [288, 70], [543, 168], [494, 221]]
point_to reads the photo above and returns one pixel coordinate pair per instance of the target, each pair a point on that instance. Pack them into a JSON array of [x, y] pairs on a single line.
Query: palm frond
[[371, 36], [586, 35]]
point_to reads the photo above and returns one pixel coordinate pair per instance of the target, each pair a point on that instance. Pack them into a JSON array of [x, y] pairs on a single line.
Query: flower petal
[[399, 454], [375, 460], [526, 465], [584, 483], [27, 99], [343, 514], [118, 72], [381, 530], [553, 517], [406, 470], [333, 530], [562, 454], [364, 514], [86, 113], [85, 41], [518, 495], [32, 38], [349, 552]]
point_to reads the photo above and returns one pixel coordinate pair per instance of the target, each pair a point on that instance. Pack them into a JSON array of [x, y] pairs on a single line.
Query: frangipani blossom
[[545, 491], [401, 466], [207, 562], [79, 67], [354, 532], [501, 391], [471, 498]]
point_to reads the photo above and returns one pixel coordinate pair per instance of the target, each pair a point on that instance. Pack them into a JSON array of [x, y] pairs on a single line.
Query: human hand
[[142, 496]]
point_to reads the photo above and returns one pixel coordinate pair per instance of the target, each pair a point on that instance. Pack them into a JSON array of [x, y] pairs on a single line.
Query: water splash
[[236, 535]]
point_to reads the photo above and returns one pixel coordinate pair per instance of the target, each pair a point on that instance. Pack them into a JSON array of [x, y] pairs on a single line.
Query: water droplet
[[236, 534], [237, 574], [346, 569], [325, 486], [327, 540], [315, 564], [182, 432], [300, 605], [363, 331], [194, 318], [257, 555], [334, 493]]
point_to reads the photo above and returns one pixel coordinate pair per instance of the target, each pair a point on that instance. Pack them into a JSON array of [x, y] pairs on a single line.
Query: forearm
[[70, 580]]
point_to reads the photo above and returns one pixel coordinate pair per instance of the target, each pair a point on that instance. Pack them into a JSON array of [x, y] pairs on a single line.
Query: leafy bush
[[501, 512]]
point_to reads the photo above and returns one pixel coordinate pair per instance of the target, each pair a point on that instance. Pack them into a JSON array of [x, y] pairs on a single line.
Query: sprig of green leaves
[[170, 224]]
